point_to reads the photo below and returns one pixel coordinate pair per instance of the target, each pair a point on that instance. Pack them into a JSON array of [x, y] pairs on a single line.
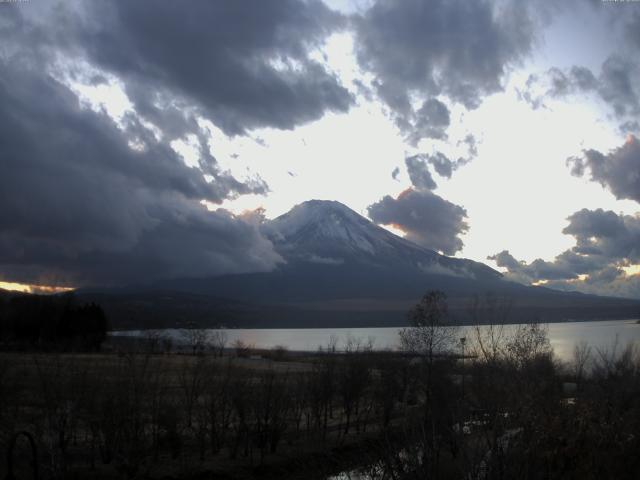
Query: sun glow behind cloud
[[632, 270], [519, 190], [39, 289], [521, 155]]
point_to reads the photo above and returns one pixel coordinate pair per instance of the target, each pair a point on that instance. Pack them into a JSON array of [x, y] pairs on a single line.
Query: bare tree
[[430, 333], [269, 410], [191, 379], [220, 405], [616, 361], [528, 342], [57, 377], [196, 339], [353, 378], [332, 345], [581, 359], [489, 315], [218, 340], [431, 336], [322, 387]]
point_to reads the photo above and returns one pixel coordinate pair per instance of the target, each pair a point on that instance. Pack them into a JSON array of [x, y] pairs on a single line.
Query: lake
[[563, 336]]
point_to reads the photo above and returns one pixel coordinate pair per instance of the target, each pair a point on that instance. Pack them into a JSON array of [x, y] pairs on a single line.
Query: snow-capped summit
[[322, 218], [328, 232], [323, 226]]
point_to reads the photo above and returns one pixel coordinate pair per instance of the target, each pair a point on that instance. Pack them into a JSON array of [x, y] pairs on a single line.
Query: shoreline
[[635, 319]]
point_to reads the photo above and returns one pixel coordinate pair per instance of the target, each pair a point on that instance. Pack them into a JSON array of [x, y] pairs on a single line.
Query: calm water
[[563, 336]]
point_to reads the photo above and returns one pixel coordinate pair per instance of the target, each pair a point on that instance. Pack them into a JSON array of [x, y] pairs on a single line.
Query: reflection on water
[[563, 336]]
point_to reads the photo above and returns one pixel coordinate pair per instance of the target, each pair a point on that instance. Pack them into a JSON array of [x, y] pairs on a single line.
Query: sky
[[149, 140]]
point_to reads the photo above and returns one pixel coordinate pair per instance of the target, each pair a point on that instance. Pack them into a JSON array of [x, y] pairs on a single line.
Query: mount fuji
[[328, 232], [341, 270]]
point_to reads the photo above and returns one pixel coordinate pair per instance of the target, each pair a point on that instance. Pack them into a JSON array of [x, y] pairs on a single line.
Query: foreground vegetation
[[50, 322], [506, 409]]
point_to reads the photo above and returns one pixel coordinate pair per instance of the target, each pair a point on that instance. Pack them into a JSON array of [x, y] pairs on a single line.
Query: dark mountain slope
[[341, 270]]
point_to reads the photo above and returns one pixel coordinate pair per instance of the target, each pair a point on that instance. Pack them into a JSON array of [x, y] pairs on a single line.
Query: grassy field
[[131, 415], [510, 410]]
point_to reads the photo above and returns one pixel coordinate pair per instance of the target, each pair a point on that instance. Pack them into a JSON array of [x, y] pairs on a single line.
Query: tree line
[[137, 415], [51, 322]]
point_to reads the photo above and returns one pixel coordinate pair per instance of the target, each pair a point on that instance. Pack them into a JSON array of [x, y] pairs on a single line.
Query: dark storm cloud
[[632, 30], [244, 64], [442, 165], [631, 126], [583, 78], [576, 79], [605, 242], [506, 260], [79, 206], [616, 170], [617, 80], [606, 284], [458, 49], [432, 121], [606, 275], [568, 265], [614, 85], [560, 82], [426, 218], [616, 237], [419, 172], [472, 146], [419, 167]]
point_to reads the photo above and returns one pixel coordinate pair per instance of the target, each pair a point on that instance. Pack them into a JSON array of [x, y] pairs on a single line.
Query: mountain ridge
[[305, 234], [341, 270]]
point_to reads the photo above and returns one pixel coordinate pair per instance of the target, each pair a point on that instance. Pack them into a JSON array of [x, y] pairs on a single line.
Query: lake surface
[[563, 336]]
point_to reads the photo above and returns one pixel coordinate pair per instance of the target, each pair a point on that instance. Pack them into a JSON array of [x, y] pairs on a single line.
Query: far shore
[[334, 327]]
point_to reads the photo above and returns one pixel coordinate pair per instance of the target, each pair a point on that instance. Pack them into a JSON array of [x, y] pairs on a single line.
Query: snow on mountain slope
[[328, 232]]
